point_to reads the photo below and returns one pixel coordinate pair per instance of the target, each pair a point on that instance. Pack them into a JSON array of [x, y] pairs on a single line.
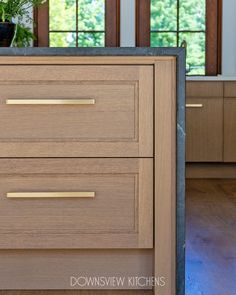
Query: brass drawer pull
[[25, 195], [194, 105], [81, 101]]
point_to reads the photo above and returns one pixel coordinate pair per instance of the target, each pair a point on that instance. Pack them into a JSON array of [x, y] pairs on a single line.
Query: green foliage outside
[[91, 17], [168, 28], [19, 12], [191, 18], [17, 9]]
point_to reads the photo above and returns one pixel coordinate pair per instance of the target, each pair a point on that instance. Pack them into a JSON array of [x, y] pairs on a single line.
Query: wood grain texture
[[69, 73], [204, 89], [79, 292], [81, 60], [204, 130], [229, 130], [113, 117], [211, 170], [143, 23], [165, 176], [229, 89], [53, 269], [120, 215], [41, 28], [131, 179], [211, 239], [112, 23], [121, 118], [213, 41]]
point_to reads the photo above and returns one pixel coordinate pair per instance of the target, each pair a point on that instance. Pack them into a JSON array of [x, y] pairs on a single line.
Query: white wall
[[127, 25], [229, 38]]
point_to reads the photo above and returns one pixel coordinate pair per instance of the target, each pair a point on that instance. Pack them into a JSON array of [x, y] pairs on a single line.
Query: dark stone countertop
[[96, 51]]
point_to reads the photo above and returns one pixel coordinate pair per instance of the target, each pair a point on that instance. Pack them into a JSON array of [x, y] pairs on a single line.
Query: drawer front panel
[[52, 270], [204, 89], [76, 111], [79, 203]]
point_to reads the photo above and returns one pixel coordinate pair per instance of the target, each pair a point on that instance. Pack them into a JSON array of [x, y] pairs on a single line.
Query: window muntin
[[76, 23], [176, 21]]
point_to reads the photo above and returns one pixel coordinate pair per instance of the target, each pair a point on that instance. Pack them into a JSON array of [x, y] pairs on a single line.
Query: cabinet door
[[230, 129], [204, 127]]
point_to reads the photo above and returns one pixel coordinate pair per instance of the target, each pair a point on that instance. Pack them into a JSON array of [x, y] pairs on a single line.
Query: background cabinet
[[211, 121], [230, 130], [204, 130], [204, 122], [230, 122]]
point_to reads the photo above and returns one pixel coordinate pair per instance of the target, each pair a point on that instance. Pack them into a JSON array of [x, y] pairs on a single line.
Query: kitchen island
[[92, 169]]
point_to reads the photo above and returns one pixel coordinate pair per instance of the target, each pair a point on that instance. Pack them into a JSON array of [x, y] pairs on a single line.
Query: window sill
[[211, 78]]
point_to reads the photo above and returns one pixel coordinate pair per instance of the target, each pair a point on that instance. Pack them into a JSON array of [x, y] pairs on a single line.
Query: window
[[194, 24], [78, 23]]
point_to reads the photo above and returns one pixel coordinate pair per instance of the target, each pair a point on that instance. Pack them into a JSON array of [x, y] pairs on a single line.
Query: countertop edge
[[218, 78], [89, 51]]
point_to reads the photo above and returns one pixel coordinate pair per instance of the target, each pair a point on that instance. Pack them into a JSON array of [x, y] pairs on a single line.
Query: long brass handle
[[80, 101], [194, 105], [24, 195]]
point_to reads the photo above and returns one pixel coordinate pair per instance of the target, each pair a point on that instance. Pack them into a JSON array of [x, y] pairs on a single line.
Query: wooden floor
[[76, 292], [211, 237]]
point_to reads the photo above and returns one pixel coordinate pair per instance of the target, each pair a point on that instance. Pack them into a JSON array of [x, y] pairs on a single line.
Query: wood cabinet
[[230, 129], [79, 203], [88, 162], [204, 129], [204, 122], [82, 111], [230, 122], [211, 121]]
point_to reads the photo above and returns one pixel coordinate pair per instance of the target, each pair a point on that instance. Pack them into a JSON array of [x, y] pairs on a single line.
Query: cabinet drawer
[[204, 89], [76, 203], [76, 111]]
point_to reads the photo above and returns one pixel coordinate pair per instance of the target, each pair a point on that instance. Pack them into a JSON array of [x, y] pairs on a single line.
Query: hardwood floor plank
[[211, 237], [70, 292]]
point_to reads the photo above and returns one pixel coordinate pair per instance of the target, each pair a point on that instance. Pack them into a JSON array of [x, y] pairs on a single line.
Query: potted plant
[[15, 21]]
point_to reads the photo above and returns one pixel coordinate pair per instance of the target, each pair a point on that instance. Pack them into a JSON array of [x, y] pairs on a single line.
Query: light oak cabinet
[[88, 161], [230, 122], [79, 203], [204, 122], [204, 129], [230, 129], [77, 111], [211, 121]]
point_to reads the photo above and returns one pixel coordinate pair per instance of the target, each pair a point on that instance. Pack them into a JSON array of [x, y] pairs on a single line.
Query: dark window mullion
[[111, 32], [177, 39], [180, 31], [73, 31], [77, 24], [212, 32]]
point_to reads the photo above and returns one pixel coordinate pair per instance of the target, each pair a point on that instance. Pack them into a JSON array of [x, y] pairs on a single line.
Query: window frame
[[213, 32], [112, 24]]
